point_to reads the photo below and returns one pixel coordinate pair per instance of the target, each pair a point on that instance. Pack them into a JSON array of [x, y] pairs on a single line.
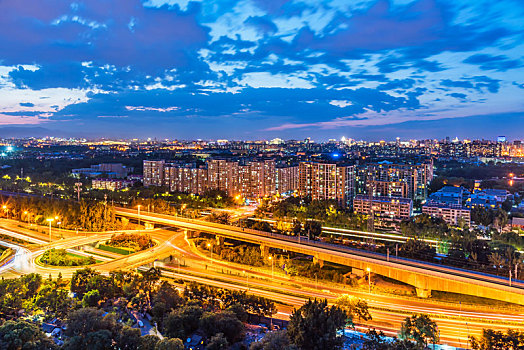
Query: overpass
[[424, 276]]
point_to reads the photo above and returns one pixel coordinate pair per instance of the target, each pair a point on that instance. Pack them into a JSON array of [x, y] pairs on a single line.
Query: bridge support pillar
[[220, 240], [423, 293], [264, 251], [318, 261]]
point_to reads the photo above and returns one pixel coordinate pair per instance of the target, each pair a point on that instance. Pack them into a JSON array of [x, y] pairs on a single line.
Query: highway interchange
[[456, 322]]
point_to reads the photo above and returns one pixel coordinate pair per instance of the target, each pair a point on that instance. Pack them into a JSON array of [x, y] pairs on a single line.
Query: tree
[[239, 311], [32, 282], [219, 217], [218, 342], [89, 329], [417, 249], [261, 226], [500, 219], [297, 227], [277, 340], [182, 322], [91, 298], [16, 335], [378, 341], [80, 281], [421, 329], [128, 339], [53, 298], [314, 326], [313, 228], [148, 342], [170, 344], [497, 340], [224, 322], [354, 307]]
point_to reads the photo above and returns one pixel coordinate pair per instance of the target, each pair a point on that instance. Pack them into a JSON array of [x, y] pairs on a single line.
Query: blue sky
[[254, 69]]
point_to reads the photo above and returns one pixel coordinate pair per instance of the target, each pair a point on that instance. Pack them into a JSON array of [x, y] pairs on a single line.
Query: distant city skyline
[[261, 69]]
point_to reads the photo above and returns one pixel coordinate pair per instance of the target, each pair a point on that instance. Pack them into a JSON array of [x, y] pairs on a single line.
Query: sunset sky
[[258, 69]]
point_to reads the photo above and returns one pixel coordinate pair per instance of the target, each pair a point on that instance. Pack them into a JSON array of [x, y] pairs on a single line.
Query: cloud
[[255, 65], [155, 109], [489, 62], [479, 83], [263, 24], [49, 32]]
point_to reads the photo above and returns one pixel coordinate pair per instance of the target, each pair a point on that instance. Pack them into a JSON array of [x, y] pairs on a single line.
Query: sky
[[260, 69]]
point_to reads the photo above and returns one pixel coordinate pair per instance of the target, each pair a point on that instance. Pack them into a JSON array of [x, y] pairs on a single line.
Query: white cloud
[[159, 3], [154, 109], [268, 80], [340, 103]]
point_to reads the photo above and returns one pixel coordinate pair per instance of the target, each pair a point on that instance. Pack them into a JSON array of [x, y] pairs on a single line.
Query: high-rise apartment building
[[324, 181], [187, 178], [389, 188], [154, 172], [287, 179], [249, 179], [416, 177]]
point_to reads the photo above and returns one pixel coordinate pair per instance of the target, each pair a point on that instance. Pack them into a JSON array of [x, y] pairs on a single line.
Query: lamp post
[[369, 280], [50, 220], [138, 206], [6, 211], [211, 250]]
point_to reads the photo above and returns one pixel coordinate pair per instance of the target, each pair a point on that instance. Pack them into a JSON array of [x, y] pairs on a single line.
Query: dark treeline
[[328, 212], [99, 311], [83, 215]]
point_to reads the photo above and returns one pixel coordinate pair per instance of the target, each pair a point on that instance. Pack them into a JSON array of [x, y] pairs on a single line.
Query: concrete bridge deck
[[424, 276]]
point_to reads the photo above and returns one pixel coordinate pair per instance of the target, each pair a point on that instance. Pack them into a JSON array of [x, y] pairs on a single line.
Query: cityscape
[[261, 175]]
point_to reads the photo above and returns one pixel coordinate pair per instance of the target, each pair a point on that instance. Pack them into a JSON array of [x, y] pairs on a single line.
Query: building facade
[[387, 212], [326, 181], [452, 214], [154, 172]]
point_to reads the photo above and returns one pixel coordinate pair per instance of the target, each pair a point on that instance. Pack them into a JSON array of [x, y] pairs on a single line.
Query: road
[[455, 322], [427, 269]]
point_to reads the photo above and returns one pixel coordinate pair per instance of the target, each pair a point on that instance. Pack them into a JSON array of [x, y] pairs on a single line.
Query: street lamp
[[138, 206], [26, 213], [272, 267], [211, 250], [369, 279], [6, 211], [50, 220]]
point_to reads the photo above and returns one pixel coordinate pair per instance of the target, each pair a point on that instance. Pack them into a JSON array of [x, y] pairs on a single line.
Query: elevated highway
[[424, 276]]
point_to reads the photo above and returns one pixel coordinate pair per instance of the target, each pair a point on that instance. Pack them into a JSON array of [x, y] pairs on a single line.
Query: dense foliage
[[83, 215], [314, 326], [60, 257], [100, 312], [132, 241], [497, 340], [329, 213]]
